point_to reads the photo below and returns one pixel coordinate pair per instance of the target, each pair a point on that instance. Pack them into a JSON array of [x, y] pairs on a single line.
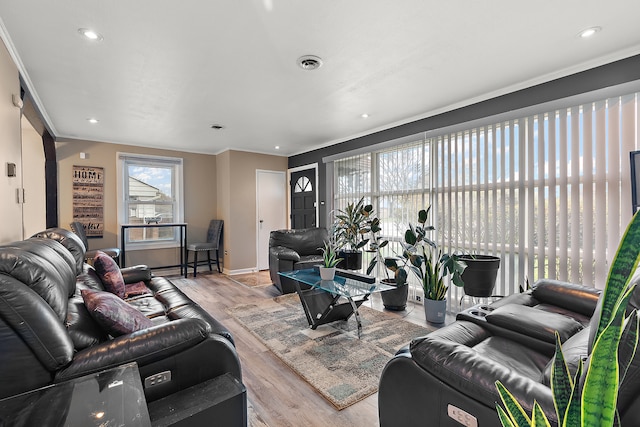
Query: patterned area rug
[[341, 367]]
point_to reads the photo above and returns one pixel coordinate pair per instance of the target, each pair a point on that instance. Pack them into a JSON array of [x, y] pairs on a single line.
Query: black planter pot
[[395, 299], [351, 260], [480, 275]]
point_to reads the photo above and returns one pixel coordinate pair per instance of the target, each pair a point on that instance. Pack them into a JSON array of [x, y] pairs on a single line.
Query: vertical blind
[[548, 193]]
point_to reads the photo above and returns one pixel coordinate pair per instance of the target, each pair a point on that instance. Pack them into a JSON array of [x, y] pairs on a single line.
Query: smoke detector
[[309, 62]]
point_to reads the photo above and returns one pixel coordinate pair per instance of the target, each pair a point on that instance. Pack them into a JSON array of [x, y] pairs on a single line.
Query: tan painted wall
[[199, 187], [10, 150], [237, 200]]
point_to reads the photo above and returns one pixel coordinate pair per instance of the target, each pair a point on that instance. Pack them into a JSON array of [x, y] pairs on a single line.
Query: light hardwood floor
[[278, 396]]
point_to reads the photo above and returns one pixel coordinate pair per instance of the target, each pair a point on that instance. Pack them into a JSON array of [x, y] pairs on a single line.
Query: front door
[[303, 198]]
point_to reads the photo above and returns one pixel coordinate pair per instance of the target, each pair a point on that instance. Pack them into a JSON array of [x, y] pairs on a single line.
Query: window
[[547, 192], [150, 192]]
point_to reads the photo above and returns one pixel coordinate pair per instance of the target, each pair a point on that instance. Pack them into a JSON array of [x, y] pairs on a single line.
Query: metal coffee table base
[[322, 307]]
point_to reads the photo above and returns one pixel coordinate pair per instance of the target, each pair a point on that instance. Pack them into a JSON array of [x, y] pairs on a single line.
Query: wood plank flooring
[[277, 395]]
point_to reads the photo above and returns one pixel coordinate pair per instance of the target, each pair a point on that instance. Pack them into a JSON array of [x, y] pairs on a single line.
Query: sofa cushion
[[575, 349], [114, 315], [109, 274]]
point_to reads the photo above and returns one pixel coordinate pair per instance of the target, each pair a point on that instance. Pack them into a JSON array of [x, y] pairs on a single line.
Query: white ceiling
[[167, 70]]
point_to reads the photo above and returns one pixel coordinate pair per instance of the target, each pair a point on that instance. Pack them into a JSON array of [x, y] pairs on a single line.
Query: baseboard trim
[[240, 271]]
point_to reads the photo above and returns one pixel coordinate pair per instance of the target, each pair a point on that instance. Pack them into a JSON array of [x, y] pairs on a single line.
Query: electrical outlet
[[418, 298]]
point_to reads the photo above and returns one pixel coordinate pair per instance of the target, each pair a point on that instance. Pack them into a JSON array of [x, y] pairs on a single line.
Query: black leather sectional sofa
[[47, 335], [447, 378]]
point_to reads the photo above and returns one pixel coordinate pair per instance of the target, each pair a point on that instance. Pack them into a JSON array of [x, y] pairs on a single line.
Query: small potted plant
[[350, 228], [329, 261], [431, 266]]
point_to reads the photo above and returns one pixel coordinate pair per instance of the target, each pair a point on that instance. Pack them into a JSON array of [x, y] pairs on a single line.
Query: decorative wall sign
[[88, 202]]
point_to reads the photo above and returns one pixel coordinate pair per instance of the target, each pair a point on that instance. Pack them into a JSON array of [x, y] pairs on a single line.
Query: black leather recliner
[[447, 378], [294, 250], [47, 335]]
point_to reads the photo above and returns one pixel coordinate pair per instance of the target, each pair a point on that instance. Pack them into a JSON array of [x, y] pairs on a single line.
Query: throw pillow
[[109, 274], [135, 289], [114, 315]]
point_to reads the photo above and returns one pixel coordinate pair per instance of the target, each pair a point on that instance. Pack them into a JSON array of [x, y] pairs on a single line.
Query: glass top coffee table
[[321, 298]]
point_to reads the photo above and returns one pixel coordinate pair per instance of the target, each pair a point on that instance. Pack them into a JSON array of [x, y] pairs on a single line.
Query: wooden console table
[[182, 226]]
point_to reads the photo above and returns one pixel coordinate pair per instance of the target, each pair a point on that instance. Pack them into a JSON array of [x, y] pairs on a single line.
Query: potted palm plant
[[350, 228], [431, 266], [329, 261]]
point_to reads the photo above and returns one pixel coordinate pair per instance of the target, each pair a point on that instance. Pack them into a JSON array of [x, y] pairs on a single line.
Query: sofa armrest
[[136, 273], [534, 323], [283, 253], [145, 346], [579, 298], [450, 358]]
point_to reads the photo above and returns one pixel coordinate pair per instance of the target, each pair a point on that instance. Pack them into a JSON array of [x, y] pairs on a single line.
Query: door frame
[[257, 235], [317, 201]]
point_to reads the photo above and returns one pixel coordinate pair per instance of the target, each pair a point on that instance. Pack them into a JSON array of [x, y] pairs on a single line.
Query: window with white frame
[[549, 193], [150, 192]]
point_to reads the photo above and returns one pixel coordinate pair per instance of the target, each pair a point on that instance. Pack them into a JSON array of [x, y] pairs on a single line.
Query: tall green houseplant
[[351, 226], [592, 402]]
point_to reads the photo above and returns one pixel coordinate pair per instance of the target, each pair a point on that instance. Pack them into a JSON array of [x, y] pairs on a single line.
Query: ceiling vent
[[309, 62]]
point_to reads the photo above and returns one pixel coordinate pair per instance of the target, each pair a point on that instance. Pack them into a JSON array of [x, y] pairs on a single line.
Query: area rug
[[341, 367], [257, 279]]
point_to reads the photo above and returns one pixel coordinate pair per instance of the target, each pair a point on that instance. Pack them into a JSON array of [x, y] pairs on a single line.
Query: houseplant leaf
[[516, 413], [624, 263], [601, 384]]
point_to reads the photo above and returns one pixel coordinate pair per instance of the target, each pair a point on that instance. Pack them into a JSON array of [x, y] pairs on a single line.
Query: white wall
[[34, 212]]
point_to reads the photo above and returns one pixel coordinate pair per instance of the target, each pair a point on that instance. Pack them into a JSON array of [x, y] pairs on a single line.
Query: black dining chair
[[78, 228], [214, 237]]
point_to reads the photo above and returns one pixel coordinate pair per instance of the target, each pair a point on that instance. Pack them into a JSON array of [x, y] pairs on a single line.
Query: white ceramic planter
[[327, 273]]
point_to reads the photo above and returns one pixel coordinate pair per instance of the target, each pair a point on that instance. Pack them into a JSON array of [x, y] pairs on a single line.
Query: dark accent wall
[[51, 177], [623, 71]]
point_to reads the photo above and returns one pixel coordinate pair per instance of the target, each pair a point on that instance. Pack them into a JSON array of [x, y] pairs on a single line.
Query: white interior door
[[271, 210]]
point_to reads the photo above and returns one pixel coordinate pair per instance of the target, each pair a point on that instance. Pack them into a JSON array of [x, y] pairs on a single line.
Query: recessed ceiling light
[[309, 62], [364, 115], [217, 127], [90, 34], [93, 121], [277, 147], [589, 32]]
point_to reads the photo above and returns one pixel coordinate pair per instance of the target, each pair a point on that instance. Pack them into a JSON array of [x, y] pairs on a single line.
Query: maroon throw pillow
[[114, 315], [109, 274], [134, 289]]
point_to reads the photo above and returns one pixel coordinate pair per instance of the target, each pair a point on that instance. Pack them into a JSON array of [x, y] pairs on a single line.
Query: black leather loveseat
[[447, 378], [47, 335], [294, 250]]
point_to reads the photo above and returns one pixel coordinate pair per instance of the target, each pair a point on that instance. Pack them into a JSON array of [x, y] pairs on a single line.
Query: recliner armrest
[[145, 346], [475, 375], [136, 273], [538, 324], [285, 253]]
